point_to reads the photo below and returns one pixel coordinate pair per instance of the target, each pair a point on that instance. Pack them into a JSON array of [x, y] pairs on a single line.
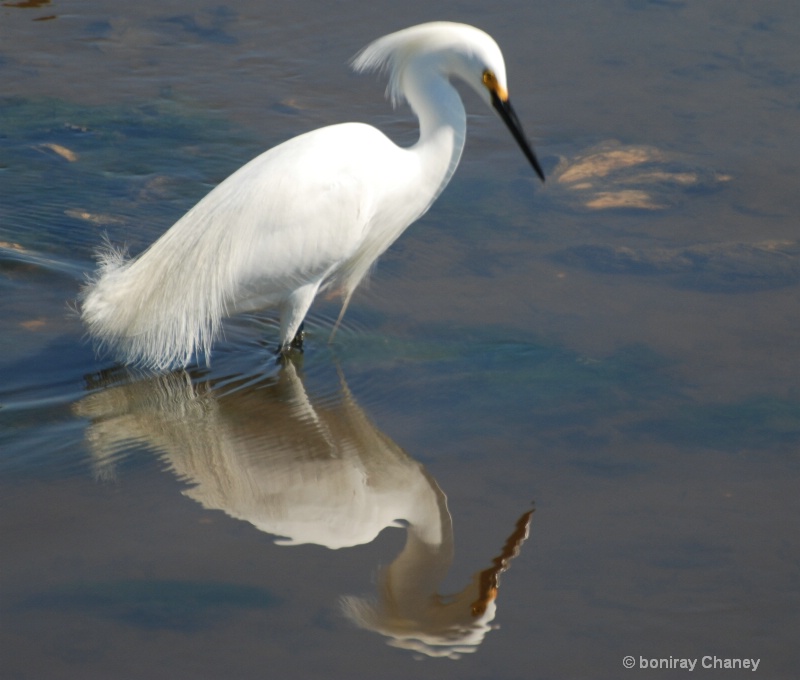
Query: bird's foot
[[293, 348], [297, 341]]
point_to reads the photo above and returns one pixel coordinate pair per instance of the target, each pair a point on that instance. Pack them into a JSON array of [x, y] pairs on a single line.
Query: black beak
[[509, 117]]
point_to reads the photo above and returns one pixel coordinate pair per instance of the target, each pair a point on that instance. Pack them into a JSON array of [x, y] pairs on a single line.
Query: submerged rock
[[611, 175]]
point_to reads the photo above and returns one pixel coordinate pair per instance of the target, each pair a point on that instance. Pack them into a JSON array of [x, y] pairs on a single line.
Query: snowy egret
[[311, 214]]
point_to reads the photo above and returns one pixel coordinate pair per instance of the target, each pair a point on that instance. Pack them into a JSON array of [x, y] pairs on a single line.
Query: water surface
[[617, 351]]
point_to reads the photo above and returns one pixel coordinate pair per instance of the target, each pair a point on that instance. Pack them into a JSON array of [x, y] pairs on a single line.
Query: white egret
[[310, 214]]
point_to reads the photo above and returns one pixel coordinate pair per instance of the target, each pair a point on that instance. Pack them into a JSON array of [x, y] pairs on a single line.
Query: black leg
[[296, 345], [297, 341]]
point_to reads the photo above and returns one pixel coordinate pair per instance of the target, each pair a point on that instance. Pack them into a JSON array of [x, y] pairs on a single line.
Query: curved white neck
[[442, 122]]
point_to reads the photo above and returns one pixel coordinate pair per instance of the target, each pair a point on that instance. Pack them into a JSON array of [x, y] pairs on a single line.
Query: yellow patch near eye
[[490, 81]]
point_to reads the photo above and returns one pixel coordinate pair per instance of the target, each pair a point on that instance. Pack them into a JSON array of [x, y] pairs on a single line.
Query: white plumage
[[312, 213]]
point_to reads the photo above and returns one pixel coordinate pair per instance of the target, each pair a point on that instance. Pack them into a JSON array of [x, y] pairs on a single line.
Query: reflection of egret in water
[[413, 616], [308, 472]]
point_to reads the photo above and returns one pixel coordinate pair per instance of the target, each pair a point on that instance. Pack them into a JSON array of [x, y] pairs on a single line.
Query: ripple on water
[[711, 267]]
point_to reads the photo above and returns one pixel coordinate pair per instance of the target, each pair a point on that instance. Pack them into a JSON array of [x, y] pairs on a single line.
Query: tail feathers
[[148, 312]]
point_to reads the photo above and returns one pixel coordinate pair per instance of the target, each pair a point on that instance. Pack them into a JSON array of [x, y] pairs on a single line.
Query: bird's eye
[[491, 83]]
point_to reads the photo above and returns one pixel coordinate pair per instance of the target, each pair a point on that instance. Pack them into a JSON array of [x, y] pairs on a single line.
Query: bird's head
[[479, 62], [456, 50]]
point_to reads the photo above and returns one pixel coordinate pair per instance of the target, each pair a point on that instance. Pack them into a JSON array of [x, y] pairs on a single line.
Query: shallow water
[[617, 352]]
